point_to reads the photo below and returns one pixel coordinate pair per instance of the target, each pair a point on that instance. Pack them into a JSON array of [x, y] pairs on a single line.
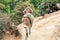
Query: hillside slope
[[46, 28]]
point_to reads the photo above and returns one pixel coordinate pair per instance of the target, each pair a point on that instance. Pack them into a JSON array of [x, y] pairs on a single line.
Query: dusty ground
[[46, 28]]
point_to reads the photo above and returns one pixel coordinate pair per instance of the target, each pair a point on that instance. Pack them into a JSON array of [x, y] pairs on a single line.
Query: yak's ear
[[24, 11], [22, 19]]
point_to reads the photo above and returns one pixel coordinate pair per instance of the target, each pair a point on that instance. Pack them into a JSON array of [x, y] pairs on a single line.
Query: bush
[[18, 11], [5, 25]]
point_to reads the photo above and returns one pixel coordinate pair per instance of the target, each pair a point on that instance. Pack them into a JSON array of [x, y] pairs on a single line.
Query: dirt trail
[[46, 28]]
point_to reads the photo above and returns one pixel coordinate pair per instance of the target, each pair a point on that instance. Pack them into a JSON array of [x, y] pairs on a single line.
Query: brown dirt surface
[[46, 27]]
